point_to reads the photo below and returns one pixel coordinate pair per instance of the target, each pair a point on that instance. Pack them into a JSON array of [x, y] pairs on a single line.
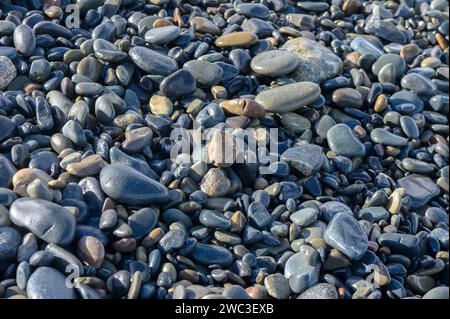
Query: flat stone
[[258, 215], [162, 35], [213, 219], [304, 217], [397, 61], [153, 62], [90, 165], [320, 291], [347, 97], [208, 254], [382, 136], [236, 39], [420, 188], [127, 185], [47, 220], [437, 293], [418, 84], [203, 25], [91, 251], [316, 62], [289, 97], [204, 72], [306, 158], [373, 213], [295, 122], [181, 83], [24, 40], [403, 244], [346, 234], [274, 63], [6, 128]]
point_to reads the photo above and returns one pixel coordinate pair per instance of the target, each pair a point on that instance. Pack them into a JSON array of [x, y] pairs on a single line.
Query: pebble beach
[[220, 149]]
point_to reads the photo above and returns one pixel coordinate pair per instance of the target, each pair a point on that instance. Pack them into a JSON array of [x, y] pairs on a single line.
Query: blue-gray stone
[[346, 235], [343, 141], [129, 186], [208, 255], [49, 283], [49, 221], [306, 158], [421, 189]]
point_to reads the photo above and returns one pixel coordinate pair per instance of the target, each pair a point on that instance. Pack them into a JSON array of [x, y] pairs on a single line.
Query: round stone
[[277, 286], [215, 183]]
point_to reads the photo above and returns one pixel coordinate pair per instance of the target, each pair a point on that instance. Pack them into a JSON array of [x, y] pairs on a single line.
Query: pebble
[[204, 72], [316, 62], [7, 72], [48, 283], [49, 221], [274, 63], [277, 286], [419, 188], [129, 186], [346, 103], [343, 141], [384, 137], [345, 234], [289, 97], [236, 39], [320, 291], [306, 158], [152, 61], [10, 240]]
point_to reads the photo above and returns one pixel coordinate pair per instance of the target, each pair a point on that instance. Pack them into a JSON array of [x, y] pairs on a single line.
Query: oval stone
[[129, 186], [49, 221]]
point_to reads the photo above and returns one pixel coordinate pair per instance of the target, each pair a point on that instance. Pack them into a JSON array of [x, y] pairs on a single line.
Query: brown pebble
[[91, 251], [409, 52], [246, 107], [351, 7], [161, 23], [441, 41], [125, 245]]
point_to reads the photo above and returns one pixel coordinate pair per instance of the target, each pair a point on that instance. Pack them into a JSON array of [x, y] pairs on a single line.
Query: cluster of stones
[[354, 206]]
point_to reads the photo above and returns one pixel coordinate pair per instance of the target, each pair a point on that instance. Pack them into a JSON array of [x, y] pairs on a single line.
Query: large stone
[[49, 283], [316, 62], [129, 186], [49, 221]]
